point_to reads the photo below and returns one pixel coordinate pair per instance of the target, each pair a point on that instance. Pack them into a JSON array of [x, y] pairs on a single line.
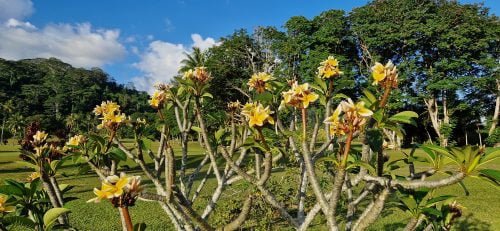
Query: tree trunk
[[433, 112], [52, 195], [302, 193], [446, 118], [3, 126], [494, 121]]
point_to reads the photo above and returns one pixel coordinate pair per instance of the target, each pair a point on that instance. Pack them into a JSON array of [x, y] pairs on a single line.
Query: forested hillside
[[58, 95]]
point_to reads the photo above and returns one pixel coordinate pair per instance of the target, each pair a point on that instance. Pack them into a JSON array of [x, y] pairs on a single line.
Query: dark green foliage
[[60, 96]]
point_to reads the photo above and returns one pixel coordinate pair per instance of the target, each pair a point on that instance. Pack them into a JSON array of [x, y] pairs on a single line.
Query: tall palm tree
[[194, 59], [7, 108], [16, 124]]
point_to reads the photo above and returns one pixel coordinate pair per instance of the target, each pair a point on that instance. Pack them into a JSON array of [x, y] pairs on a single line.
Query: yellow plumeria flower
[[101, 194], [113, 186], [259, 82], [359, 108], [157, 98], [309, 98], [40, 136], [201, 74], [299, 96], [115, 118], [257, 115], [107, 107], [335, 126], [380, 72], [76, 140], [329, 68], [188, 74], [4, 208], [33, 176], [335, 117]]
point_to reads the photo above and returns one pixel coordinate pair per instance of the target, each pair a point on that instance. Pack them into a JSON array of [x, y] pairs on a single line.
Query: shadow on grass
[[16, 170], [469, 223], [394, 226]]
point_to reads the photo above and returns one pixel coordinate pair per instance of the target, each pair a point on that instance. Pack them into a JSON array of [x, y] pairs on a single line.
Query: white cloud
[[162, 60], [79, 44], [16, 9], [203, 44]]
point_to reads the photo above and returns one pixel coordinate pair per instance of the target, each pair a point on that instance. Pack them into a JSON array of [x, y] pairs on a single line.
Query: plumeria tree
[[283, 119]]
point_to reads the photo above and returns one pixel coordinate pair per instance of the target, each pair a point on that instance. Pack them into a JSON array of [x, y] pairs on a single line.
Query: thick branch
[[372, 211], [415, 184]]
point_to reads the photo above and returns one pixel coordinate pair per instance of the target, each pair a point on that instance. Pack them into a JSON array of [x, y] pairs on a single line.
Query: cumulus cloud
[[16, 9], [161, 61], [203, 44], [79, 44]]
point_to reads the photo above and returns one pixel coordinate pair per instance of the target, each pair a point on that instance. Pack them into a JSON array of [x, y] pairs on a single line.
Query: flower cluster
[[260, 82], [33, 176], [76, 140], [121, 191], [111, 115], [39, 137], [299, 96], [234, 106], [354, 117], [329, 68], [199, 75], [161, 95], [39, 142], [4, 208], [386, 75], [257, 115]]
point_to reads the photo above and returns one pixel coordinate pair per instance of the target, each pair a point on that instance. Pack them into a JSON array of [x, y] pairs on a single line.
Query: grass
[[482, 205]]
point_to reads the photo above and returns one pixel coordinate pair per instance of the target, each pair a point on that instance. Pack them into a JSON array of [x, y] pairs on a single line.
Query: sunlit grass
[[482, 205]]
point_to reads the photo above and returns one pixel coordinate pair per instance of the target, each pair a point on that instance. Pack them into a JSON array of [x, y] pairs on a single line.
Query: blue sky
[[141, 41]]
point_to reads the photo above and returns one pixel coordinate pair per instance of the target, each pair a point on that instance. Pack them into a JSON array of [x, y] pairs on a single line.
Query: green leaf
[[20, 221], [375, 139], [409, 202], [51, 216], [100, 140], [180, 90], [54, 164], [219, 133], [340, 96], [118, 154], [363, 164], [207, 95], [146, 143], [196, 129], [491, 173], [369, 96], [489, 156], [462, 185], [378, 115], [321, 83], [438, 199], [264, 97], [404, 117], [432, 211], [11, 190]]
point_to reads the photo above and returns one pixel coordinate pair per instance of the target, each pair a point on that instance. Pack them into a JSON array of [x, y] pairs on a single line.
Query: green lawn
[[482, 206]]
